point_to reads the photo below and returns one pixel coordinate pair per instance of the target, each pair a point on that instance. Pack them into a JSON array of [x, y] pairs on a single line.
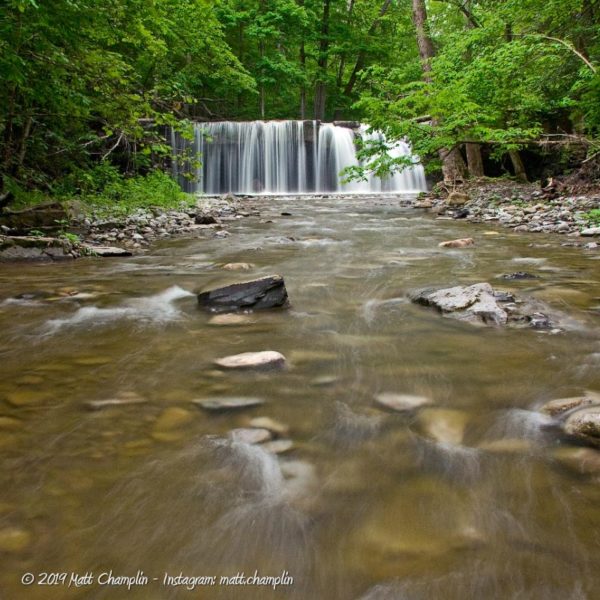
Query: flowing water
[[366, 505]]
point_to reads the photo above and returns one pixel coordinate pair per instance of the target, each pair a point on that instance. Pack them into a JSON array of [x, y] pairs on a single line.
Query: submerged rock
[[473, 303], [107, 251], [272, 425], [585, 461], [122, 399], [401, 402], [278, 446], [267, 359], [239, 266], [230, 319], [460, 243], [443, 425], [518, 275], [250, 435], [267, 292], [228, 403], [14, 540]]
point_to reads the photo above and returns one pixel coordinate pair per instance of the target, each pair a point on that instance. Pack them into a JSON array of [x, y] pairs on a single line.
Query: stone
[[48, 216], [401, 402], [228, 403], [584, 425], [264, 293], [443, 425], [560, 406], [14, 540], [475, 303], [106, 251], [22, 397], [518, 275], [250, 435], [271, 425], [506, 446], [278, 446], [10, 423], [457, 198], [590, 231], [122, 399], [231, 319], [204, 219], [238, 266], [267, 359], [169, 422], [460, 243]]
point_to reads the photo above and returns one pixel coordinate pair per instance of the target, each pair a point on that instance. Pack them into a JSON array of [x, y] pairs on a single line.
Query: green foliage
[[593, 217]]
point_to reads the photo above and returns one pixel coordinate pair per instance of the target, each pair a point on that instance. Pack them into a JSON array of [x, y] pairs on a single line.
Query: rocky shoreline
[[524, 208]]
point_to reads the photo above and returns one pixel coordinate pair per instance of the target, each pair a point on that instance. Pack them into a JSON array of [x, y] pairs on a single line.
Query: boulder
[[457, 198], [24, 248], [49, 216], [267, 359], [259, 294], [474, 303], [584, 425], [460, 243]]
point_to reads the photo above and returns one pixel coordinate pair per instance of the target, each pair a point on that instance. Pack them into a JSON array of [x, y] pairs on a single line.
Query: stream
[[366, 505]]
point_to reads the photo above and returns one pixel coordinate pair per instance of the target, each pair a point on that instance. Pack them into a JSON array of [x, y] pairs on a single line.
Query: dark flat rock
[[260, 294]]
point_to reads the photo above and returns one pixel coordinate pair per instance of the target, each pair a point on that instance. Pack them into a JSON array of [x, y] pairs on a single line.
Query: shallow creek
[[365, 505]]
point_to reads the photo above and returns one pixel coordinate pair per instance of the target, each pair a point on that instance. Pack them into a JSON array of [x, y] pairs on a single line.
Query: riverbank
[[522, 208]]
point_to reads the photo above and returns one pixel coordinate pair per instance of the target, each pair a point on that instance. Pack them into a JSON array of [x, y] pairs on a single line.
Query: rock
[[122, 399], [230, 319], [584, 425], [267, 292], [506, 446], [106, 251], [228, 403], [401, 402], [169, 422], [560, 406], [270, 424], [239, 266], [443, 425], [49, 216], [590, 231], [203, 219], [518, 275], [474, 303], [463, 213], [457, 198], [23, 397], [585, 461], [540, 321], [460, 243], [250, 435], [17, 248], [278, 446], [267, 359], [14, 540]]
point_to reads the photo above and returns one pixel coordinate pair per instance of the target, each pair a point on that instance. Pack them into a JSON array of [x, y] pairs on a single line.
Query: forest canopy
[[91, 85]]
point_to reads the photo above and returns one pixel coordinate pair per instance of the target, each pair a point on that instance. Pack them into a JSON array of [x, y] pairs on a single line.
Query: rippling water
[[368, 504]]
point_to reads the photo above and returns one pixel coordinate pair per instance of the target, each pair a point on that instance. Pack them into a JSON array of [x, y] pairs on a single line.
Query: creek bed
[[368, 503]]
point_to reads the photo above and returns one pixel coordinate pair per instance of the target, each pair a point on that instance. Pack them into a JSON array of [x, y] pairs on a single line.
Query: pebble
[[250, 435], [401, 402], [267, 359], [228, 403]]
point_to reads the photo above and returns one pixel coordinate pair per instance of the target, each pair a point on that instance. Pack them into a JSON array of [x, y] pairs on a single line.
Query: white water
[[283, 157]]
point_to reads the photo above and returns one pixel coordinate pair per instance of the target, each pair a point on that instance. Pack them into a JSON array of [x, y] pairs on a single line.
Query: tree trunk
[[518, 166], [362, 55], [453, 165], [474, 160], [321, 83]]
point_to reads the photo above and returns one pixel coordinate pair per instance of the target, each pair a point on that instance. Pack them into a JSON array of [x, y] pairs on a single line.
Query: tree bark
[[453, 165], [474, 160], [518, 166]]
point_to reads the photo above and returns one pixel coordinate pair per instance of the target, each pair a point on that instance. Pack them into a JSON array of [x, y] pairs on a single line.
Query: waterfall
[[282, 157]]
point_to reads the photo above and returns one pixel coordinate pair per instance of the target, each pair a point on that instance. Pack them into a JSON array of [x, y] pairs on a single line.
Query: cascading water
[[282, 157]]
